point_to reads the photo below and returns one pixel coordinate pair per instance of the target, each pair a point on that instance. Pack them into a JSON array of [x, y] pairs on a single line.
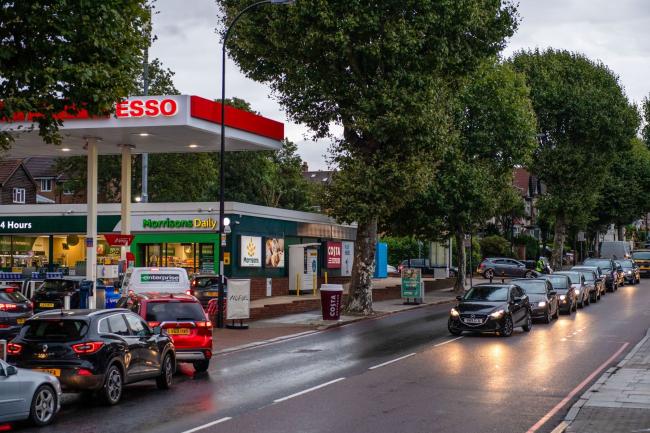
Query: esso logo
[[146, 108]]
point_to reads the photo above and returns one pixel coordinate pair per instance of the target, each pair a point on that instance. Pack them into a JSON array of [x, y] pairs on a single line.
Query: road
[[343, 380]]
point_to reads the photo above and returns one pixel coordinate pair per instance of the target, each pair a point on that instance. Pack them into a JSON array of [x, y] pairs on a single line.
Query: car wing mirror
[[459, 298], [157, 330], [552, 293], [11, 370]]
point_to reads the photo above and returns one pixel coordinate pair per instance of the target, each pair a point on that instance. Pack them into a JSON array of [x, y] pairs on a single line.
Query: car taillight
[[87, 348], [153, 324], [8, 307], [14, 349], [207, 324], [188, 292], [208, 354], [84, 372], [481, 266]]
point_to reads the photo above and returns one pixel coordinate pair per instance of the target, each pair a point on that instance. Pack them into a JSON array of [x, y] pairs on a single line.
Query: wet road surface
[[401, 373]]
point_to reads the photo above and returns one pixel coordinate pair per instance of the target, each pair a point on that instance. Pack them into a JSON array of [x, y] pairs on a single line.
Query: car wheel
[[549, 316], [529, 323], [506, 330], [580, 304], [488, 274], [557, 312], [165, 379], [453, 330], [113, 385], [201, 366], [44, 404], [587, 300], [575, 305], [528, 274]]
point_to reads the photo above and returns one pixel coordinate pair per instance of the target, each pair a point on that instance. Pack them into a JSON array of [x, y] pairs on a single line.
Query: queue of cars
[[502, 307]]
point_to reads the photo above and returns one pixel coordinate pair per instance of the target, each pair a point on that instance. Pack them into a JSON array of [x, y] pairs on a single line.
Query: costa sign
[[333, 256], [146, 108]]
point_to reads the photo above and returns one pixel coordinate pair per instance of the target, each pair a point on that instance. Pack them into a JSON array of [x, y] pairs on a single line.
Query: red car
[[184, 320]]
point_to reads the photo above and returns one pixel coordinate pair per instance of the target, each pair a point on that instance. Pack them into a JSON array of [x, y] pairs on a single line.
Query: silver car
[[27, 394]]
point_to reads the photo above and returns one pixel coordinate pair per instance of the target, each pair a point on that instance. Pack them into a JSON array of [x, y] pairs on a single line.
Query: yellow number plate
[[211, 293], [53, 371], [46, 305], [178, 331], [20, 321]]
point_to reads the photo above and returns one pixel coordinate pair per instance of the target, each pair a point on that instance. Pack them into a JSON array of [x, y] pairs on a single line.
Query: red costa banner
[[119, 240], [333, 255]]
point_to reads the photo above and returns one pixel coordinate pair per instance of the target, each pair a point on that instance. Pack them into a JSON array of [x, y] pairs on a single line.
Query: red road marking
[[575, 390]]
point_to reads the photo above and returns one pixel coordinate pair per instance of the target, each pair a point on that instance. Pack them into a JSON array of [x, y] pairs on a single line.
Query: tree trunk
[[621, 235], [558, 243], [461, 260], [363, 269]]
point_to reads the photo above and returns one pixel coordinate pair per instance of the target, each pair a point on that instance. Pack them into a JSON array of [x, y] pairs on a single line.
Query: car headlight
[[577, 291], [629, 272], [541, 304], [562, 297], [454, 312], [497, 314]]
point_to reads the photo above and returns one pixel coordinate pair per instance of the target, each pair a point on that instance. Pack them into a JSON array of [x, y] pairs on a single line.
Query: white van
[[167, 280], [616, 250]]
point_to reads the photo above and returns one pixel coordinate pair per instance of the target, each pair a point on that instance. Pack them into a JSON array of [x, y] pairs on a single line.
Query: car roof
[[162, 296], [493, 285], [529, 279], [205, 276], [566, 272], [77, 313]]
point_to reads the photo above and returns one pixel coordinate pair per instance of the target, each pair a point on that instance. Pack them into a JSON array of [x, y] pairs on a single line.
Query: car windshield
[[55, 330], [627, 264], [174, 312], [57, 286], [558, 282], [487, 293], [204, 282], [530, 286], [574, 277], [12, 296], [589, 276], [603, 264], [641, 255]]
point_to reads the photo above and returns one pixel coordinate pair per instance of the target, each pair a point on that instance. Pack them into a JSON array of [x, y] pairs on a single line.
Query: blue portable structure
[[381, 260]]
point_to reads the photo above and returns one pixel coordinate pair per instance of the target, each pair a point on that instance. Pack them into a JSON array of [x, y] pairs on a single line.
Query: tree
[[495, 129], [57, 55], [383, 73], [645, 110], [584, 119]]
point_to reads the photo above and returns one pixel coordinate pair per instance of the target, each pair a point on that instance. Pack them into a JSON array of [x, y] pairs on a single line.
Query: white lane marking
[[391, 361], [210, 424], [314, 388], [576, 390], [448, 341]]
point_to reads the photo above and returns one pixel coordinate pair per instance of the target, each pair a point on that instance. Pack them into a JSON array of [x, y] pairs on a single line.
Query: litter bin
[[330, 301]]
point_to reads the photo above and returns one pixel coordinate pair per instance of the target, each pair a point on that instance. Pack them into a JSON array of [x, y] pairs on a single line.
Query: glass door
[[206, 258]]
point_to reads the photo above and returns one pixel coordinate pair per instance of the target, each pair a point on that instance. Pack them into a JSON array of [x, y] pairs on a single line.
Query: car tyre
[[166, 377], [557, 312], [488, 274], [549, 316], [529, 323], [111, 392], [201, 366], [508, 327], [43, 407], [452, 329]]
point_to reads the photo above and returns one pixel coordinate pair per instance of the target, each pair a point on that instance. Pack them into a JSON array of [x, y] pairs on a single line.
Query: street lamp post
[[222, 282]]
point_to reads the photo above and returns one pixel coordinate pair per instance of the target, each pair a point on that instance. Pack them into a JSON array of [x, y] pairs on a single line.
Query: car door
[[500, 267], [13, 398], [150, 356], [515, 305], [551, 299], [511, 268], [133, 358]]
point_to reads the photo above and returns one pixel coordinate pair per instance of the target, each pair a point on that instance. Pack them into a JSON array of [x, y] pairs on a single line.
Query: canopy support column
[[91, 222], [125, 196]]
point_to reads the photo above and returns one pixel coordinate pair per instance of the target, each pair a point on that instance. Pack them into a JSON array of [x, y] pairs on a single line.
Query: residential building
[[17, 186]]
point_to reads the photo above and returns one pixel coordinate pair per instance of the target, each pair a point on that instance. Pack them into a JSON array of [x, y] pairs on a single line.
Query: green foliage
[[404, 247], [495, 246], [645, 131], [59, 55], [532, 246], [161, 80]]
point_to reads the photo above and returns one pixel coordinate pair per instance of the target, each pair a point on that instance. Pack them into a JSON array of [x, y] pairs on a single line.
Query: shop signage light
[[333, 256], [9, 224], [167, 223], [146, 108], [120, 240]]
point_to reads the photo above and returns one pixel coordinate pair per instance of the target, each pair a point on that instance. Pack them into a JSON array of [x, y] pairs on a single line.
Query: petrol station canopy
[[151, 124]]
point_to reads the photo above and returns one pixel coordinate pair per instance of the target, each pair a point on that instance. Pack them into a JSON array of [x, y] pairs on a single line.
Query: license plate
[[53, 371], [20, 321], [212, 294], [178, 331], [46, 305], [470, 320]]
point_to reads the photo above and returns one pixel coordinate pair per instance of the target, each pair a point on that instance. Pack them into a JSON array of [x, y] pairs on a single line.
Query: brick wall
[[280, 286]]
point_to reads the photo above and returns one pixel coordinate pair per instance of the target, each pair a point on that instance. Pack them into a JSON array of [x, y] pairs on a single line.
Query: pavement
[[619, 401]]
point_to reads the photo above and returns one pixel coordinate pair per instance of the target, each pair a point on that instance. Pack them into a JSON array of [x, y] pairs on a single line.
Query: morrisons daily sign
[[168, 223]]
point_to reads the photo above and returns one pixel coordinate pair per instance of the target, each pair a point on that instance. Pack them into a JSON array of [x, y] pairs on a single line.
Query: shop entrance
[[193, 252]]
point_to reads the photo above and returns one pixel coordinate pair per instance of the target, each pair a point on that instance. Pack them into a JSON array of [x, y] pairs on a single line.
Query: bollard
[[66, 302], [297, 284], [314, 285], [325, 277]]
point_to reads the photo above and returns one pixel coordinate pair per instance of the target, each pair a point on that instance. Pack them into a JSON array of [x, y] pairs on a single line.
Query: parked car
[[51, 294], [642, 260], [28, 395], [391, 270], [95, 350], [491, 308], [577, 281], [544, 303], [609, 268], [631, 272], [566, 295], [15, 309], [593, 283], [620, 273], [422, 264], [204, 288], [615, 250], [594, 279], [504, 267], [184, 320]]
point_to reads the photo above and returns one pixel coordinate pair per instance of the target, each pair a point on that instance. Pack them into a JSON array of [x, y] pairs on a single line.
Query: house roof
[[7, 168], [40, 167], [319, 177], [521, 179]]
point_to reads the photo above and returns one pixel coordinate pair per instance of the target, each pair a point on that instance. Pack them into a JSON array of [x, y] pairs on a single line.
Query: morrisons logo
[[167, 224]]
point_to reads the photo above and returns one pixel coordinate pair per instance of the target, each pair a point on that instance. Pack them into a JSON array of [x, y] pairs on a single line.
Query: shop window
[[19, 195], [46, 185]]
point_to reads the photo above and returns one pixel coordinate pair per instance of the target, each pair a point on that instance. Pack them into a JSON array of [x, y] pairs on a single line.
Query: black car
[[609, 269], [204, 288], [598, 282], [579, 286], [15, 309], [544, 303], [567, 297], [504, 267], [51, 294], [95, 350], [631, 272], [491, 308]]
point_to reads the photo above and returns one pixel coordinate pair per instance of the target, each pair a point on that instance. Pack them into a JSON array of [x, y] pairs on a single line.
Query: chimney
[[305, 167]]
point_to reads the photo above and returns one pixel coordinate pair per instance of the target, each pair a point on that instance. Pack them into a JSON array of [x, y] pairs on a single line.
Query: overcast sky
[[615, 32]]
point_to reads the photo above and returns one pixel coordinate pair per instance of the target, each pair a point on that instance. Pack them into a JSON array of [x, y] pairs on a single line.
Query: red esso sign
[[333, 255], [146, 108]]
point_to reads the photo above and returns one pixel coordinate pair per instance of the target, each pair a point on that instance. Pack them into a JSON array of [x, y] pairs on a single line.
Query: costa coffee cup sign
[[333, 256]]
